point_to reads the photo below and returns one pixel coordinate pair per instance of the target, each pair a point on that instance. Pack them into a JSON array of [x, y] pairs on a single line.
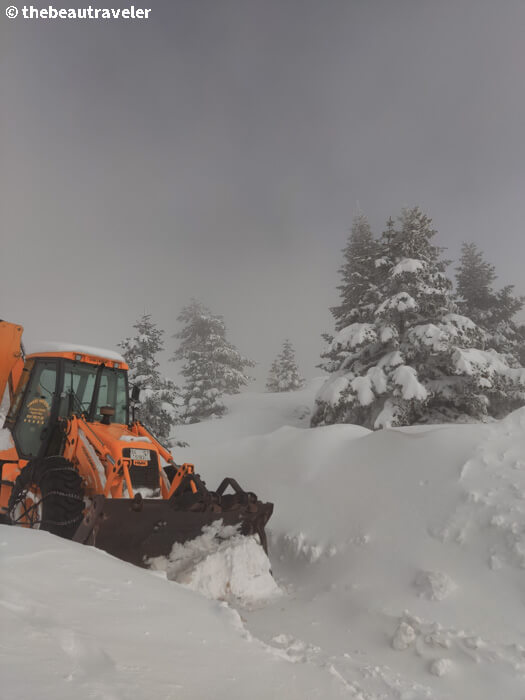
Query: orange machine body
[[97, 450], [80, 466]]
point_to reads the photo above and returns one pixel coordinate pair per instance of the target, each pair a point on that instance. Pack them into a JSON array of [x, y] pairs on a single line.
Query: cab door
[[35, 410]]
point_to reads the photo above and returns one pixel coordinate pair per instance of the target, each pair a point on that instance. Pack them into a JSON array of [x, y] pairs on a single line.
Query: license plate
[[140, 455]]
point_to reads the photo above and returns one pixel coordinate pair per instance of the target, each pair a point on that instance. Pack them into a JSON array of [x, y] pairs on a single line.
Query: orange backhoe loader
[[80, 465]]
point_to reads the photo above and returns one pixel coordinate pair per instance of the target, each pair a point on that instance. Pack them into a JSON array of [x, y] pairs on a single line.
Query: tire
[[48, 495]]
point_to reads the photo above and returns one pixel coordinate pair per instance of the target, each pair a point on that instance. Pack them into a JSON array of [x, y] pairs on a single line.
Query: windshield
[[113, 391], [79, 386]]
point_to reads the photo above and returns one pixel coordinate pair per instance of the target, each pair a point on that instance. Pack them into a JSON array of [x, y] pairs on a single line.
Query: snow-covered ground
[[400, 558]]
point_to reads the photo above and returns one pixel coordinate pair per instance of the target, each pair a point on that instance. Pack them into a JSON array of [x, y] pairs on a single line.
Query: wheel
[[48, 495]]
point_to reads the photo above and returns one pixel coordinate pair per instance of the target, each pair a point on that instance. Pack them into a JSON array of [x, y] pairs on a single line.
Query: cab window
[[79, 384], [113, 392], [32, 423]]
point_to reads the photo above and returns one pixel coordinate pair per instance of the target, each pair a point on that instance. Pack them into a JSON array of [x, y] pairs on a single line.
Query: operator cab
[[59, 384]]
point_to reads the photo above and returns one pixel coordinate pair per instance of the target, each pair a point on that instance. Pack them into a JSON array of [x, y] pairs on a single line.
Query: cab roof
[[81, 353]]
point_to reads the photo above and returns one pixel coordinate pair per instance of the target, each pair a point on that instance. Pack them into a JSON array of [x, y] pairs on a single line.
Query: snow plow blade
[[136, 530]]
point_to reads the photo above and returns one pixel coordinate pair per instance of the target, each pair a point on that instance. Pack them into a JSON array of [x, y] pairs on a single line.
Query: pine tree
[[493, 311], [358, 289], [358, 273], [160, 399], [418, 360], [284, 373], [212, 366], [474, 278]]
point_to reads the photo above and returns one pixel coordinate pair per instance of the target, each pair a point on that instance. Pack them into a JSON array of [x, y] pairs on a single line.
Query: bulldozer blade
[[139, 529]]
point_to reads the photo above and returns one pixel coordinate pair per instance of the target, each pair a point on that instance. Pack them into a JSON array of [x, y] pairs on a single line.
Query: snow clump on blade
[[222, 565]]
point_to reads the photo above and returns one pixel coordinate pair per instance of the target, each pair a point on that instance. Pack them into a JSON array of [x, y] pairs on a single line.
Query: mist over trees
[[407, 349], [212, 367]]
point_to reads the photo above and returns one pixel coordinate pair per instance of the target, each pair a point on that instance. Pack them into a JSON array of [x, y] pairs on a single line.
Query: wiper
[[73, 399]]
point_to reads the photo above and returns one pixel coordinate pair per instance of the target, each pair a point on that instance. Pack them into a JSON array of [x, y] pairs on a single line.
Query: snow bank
[[376, 533], [252, 413], [77, 623]]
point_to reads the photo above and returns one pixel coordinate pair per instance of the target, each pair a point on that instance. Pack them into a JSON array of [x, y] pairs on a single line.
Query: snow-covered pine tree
[[417, 360], [359, 286], [212, 366], [284, 373], [493, 311], [358, 276], [474, 278], [159, 406]]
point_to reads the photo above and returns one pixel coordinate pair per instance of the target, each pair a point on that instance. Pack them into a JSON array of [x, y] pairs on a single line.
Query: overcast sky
[[219, 148]]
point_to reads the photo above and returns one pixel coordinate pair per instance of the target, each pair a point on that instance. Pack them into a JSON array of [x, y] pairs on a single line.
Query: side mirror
[[135, 393]]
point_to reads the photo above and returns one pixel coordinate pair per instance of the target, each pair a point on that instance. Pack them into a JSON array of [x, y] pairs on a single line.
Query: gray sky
[[218, 150]]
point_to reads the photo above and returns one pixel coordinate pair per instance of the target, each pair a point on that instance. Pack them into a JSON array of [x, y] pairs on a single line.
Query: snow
[[77, 623], [488, 364], [251, 413], [363, 388], [387, 416], [434, 585], [462, 323], [55, 347], [391, 359], [404, 636], [472, 361], [354, 335], [398, 562], [333, 388], [407, 265], [387, 333], [398, 302], [441, 667], [6, 440], [431, 335], [411, 388], [222, 565], [438, 337], [378, 379]]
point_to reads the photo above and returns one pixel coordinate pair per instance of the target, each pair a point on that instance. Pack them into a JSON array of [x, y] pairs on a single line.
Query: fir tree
[[358, 276], [284, 373], [358, 289], [474, 278], [212, 366], [160, 399], [493, 311], [417, 360]]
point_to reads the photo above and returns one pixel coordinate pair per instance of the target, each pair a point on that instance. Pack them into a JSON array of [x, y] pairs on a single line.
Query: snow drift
[[402, 551], [400, 556]]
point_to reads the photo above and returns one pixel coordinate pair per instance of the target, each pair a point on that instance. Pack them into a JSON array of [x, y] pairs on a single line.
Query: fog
[[218, 150]]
